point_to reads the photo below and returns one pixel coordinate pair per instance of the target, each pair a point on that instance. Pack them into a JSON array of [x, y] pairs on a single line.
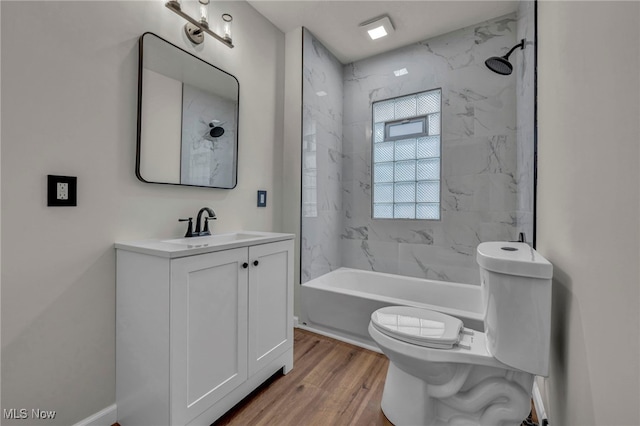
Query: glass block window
[[406, 157]]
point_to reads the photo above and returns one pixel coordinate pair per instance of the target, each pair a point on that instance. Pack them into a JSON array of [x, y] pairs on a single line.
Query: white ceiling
[[335, 23]]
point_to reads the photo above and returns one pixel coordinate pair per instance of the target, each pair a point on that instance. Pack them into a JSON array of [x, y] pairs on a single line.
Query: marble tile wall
[[480, 179], [207, 160], [321, 248], [485, 143], [524, 66]]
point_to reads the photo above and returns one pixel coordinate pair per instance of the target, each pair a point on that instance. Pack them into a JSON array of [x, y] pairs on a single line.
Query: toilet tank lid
[[513, 259]]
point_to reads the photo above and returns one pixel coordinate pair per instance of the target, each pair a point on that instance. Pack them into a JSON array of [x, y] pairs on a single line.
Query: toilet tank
[[516, 290]]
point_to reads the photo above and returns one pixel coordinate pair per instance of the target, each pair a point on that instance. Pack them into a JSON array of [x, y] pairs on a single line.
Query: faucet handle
[[189, 232], [206, 230]]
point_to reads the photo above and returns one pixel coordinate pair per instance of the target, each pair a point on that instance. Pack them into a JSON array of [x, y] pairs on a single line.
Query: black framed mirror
[[187, 118]]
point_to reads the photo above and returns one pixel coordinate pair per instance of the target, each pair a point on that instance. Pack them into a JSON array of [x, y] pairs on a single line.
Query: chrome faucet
[[211, 215]]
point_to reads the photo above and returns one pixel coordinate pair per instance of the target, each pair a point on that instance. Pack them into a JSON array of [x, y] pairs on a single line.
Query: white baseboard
[[105, 417]]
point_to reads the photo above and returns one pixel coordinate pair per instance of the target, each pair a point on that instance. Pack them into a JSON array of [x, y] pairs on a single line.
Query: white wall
[[292, 148], [161, 141], [589, 206], [69, 87]]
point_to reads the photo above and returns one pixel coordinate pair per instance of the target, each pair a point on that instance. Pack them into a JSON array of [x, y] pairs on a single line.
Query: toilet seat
[[418, 326], [477, 355]]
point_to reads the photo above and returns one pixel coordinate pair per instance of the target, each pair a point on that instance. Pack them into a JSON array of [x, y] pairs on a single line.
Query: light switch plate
[[62, 191]]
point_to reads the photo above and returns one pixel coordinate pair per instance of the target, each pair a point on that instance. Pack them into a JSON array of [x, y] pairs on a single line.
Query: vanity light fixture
[[227, 26], [378, 27], [204, 13], [195, 29]]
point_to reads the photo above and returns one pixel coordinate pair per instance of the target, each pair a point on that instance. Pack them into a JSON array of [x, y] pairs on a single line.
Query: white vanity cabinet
[[196, 333]]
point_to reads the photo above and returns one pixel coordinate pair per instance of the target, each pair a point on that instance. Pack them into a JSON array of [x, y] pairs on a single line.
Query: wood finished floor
[[332, 383]]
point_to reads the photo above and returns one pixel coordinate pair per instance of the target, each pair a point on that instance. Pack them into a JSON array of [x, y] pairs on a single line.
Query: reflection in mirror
[[187, 118]]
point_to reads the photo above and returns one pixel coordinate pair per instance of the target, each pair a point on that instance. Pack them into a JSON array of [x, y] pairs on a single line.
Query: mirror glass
[[187, 118]]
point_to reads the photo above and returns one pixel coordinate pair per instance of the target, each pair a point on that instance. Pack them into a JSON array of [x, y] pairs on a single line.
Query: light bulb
[[226, 31], [204, 12]]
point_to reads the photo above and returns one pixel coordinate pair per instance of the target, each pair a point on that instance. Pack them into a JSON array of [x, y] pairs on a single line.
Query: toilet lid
[[418, 326]]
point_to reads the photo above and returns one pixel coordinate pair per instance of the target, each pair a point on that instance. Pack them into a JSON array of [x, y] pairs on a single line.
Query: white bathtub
[[341, 302]]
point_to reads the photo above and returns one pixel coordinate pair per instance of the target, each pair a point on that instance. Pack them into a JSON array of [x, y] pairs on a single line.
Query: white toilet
[[442, 373]]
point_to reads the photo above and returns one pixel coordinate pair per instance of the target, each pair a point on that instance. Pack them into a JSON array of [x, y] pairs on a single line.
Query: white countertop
[[181, 247]]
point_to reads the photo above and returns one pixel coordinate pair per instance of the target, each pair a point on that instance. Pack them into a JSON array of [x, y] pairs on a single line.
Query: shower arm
[[520, 45]]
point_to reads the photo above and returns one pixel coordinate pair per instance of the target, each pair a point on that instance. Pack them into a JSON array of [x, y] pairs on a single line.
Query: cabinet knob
[[245, 265], [255, 263]]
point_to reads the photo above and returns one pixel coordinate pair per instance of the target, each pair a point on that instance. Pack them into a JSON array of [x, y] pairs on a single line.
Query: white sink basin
[[214, 240]]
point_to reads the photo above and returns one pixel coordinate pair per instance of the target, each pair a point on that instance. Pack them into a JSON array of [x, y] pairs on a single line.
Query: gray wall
[[69, 99], [291, 182], [589, 207]]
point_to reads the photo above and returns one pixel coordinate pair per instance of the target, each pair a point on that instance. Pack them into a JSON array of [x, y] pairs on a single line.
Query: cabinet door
[[270, 302], [208, 330]]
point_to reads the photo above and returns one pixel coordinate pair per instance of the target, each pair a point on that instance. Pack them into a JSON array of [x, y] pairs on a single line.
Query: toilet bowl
[[441, 373]]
